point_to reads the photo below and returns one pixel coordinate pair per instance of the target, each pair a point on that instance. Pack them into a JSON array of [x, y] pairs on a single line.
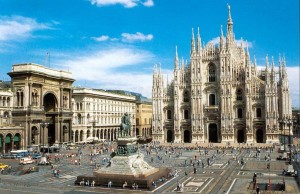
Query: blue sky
[[114, 44]]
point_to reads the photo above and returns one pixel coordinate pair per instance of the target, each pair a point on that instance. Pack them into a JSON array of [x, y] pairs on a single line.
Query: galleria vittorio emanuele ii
[[221, 96]]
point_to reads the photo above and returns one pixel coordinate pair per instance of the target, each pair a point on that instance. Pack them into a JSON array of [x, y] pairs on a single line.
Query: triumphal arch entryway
[[42, 103]]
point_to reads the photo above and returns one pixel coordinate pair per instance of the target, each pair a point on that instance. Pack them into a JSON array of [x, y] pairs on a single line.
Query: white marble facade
[[220, 95]]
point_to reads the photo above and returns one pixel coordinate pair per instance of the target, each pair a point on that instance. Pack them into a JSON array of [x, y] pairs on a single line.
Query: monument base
[[127, 166]]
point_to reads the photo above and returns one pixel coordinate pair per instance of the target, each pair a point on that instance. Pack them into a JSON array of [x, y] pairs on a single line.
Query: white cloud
[[126, 37], [101, 38], [216, 40], [18, 27], [148, 3], [108, 69], [294, 81], [125, 3]]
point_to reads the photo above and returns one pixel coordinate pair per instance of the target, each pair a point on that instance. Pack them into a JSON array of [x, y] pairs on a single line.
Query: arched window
[[258, 112], [211, 72], [79, 119], [137, 121], [169, 114], [186, 96], [186, 114], [212, 99], [239, 94], [240, 113]]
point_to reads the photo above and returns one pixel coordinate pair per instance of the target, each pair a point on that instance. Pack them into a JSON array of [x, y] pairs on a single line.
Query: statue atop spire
[[193, 49], [176, 59], [229, 35], [198, 41]]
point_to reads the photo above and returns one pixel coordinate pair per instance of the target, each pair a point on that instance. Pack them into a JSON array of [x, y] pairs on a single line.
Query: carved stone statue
[[125, 126]]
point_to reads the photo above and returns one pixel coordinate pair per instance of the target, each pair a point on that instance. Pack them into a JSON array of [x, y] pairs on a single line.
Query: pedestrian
[[195, 170], [257, 190], [109, 184], [93, 183]]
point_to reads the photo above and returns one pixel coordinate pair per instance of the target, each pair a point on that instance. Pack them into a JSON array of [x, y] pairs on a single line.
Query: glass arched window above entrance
[[239, 94], [258, 112], [186, 96], [186, 114], [211, 72], [240, 113], [212, 100], [169, 114]]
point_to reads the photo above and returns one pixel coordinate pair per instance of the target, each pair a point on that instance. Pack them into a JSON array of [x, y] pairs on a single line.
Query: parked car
[[36, 156], [281, 158], [26, 160], [3, 166]]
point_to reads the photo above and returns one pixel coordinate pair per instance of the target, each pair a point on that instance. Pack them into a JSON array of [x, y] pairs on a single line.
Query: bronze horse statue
[[125, 126]]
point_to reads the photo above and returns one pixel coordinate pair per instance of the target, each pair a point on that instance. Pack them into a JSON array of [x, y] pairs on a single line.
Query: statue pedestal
[[128, 165]]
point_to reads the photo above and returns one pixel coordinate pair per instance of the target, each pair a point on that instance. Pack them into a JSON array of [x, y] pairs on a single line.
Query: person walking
[[109, 184]]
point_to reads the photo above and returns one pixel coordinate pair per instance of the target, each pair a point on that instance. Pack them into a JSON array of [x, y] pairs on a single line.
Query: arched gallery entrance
[[50, 107]]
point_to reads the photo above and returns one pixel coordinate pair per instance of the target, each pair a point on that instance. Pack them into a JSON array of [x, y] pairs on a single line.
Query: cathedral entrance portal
[[169, 136], [259, 136], [187, 136], [241, 136], [213, 133]]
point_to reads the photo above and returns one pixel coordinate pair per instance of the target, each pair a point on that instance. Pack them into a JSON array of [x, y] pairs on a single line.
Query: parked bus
[[19, 153]]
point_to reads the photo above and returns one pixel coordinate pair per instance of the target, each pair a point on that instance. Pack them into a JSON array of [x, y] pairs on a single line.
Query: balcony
[[211, 108]]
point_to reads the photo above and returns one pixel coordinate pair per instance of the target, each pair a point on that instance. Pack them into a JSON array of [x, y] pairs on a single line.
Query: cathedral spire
[[229, 36], [193, 49], [198, 41], [221, 37], [176, 59]]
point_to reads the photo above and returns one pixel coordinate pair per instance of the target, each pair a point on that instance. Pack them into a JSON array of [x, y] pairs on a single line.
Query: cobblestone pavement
[[223, 173]]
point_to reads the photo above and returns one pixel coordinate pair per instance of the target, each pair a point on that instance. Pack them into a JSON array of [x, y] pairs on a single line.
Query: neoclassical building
[[143, 117], [98, 113], [41, 103], [221, 96], [10, 135]]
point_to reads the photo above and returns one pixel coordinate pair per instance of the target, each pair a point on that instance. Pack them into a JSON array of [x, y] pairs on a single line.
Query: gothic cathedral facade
[[220, 96]]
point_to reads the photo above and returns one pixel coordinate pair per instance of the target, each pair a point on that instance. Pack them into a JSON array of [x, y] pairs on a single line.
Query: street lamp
[[288, 122], [282, 124]]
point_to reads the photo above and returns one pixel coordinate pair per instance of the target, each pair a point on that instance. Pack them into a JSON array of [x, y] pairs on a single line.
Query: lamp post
[[282, 124], [287, 122]]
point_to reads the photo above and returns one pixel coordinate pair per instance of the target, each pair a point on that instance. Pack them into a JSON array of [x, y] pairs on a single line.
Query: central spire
[[229, 26]]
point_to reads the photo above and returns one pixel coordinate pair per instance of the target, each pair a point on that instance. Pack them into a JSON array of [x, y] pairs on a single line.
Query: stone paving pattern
[[225, 174]]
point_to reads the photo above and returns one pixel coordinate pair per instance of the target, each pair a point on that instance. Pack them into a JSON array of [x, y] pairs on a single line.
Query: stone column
[[12, 143]]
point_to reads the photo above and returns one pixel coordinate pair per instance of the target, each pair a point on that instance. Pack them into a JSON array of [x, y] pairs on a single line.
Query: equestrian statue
[[125, 126]]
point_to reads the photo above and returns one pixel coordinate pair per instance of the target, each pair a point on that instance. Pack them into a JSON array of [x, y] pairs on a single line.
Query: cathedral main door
[[259, 136], [213, 133], [169, 136], [241, 136], [187, 136]]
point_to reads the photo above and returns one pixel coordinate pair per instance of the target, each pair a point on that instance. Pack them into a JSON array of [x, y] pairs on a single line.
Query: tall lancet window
[[239, 94], [211, 72], [186, 96]]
